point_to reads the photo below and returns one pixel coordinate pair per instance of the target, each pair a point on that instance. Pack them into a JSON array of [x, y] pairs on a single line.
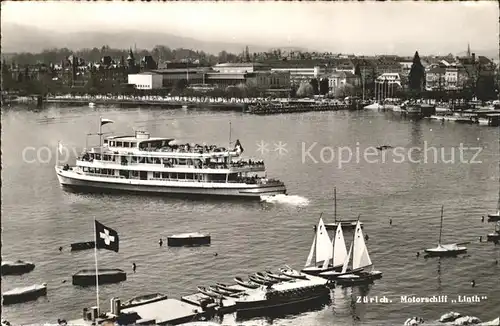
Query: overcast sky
[[351, 27]]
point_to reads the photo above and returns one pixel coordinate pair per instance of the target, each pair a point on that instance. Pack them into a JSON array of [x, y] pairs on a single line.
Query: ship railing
[[104, 175]]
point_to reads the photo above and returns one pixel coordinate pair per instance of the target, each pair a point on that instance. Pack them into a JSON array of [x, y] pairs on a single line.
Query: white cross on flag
[[106, 238]]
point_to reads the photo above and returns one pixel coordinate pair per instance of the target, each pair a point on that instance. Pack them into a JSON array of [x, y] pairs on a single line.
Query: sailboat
[[360, 261], [339, 255], [321, 252], [445, 249], [348, 224]]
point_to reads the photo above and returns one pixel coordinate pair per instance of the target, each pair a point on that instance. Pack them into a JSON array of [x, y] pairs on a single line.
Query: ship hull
[[265, 306], [82, 183]]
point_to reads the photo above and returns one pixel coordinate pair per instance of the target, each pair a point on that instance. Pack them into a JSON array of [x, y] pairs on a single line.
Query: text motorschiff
[[432, 299]]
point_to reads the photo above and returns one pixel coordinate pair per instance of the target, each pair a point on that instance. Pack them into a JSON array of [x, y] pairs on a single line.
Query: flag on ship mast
[[106, 121]]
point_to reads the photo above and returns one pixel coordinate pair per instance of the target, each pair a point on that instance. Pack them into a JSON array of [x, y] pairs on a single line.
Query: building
[[273, 80], [239, 68], [338, 80], [435, 78], [146, 80], [302, 74], [172, 76]]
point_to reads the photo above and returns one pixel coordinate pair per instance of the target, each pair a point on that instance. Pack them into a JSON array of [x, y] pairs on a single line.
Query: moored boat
[[247, 284], [24, 294], [188, 239], [17, 267], [87, 277], [208, 292], [445, 249], [145, 164], [142, 299], [283, 296], [279, 277], [287, 271], [228, 288]]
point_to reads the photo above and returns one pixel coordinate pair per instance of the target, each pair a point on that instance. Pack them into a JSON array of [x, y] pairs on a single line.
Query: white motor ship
[[142, 163]]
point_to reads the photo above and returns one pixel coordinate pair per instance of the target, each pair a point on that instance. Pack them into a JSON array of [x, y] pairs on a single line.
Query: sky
[[347, 27]]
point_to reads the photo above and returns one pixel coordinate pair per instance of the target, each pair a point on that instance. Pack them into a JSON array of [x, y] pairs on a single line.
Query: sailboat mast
[[335, 203], [441, 227]]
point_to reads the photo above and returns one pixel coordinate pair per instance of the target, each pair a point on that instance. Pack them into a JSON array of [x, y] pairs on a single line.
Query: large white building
[[298, 75], [146, 80]]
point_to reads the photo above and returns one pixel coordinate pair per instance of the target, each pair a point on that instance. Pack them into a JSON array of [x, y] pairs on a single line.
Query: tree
[[314, 84], [344, 90], [485, 88], [323, 86], [305, 90], [417, 75]]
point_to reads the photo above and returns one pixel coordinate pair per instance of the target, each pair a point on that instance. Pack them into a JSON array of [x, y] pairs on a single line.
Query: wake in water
[[293, 200]]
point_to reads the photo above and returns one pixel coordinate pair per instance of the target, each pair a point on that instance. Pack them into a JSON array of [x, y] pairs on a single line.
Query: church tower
[[468, 50]]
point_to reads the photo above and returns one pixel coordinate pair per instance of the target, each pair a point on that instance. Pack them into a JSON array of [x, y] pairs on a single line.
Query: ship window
[[173, 175], [189, 176], [85, 169], [133, 144], [142, 160], [105, 141], [97, 156], [134, 159], [125, 144], [156, 175], [135, 173], [111, 143], [157, 160], [119, 144], [164, 175], [181, 176]]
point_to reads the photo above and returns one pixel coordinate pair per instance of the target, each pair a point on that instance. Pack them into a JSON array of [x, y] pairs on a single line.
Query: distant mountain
[[21, 38]]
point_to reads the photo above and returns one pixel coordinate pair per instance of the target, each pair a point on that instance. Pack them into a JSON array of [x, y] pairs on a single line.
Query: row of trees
[[160, 53]]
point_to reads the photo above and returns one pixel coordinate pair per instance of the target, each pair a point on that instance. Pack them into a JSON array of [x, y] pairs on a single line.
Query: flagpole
[[96, 269]]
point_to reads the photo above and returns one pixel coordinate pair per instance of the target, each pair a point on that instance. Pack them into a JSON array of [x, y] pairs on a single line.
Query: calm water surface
[[38, 216]]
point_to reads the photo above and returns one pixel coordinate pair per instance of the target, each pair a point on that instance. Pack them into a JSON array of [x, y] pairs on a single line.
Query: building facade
[[303, 74], [146, 80]]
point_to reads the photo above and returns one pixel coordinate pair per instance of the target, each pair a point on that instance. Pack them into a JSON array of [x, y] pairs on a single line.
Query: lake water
[[38, 216]]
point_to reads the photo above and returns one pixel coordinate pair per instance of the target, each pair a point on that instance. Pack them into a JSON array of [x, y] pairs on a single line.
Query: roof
[[134, 138], [182, 70], [240, 64]]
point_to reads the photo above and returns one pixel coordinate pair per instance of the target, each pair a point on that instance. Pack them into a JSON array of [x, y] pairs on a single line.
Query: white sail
[[339, 248], [311, 253], [360, 256], [346, 263], [324, 250]]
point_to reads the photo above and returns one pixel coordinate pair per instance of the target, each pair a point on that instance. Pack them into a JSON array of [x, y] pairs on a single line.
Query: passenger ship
[[142, 163]]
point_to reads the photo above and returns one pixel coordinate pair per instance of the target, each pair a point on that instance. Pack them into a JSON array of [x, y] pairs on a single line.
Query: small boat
[[87, 277], [496, 216], [188, 239], [91, 104], [247, 284], [347, 224], [293, 273], [228, 288], [17, 267], [223, 292], [266, 278], [445, 249], [279, 277], [260, 281], [208, 293], [82, 245], [142, 299], [24, 294], [321, 252], [360, 261]]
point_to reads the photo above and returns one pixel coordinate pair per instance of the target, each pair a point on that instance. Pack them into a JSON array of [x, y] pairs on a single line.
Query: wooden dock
[[163, 312]]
